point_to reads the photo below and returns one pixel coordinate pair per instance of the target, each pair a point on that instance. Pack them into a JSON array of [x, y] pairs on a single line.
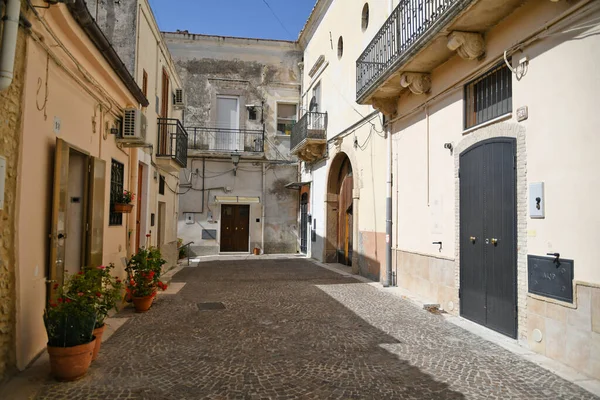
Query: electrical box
[[536, 200], [2, 180], [189, 218]]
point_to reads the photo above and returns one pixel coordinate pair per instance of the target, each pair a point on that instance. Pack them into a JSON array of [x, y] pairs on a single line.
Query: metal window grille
[[161, 185], [488, 96], [117, 172]]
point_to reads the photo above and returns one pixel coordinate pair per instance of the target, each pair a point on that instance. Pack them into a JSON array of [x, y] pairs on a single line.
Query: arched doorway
[[340, 220]]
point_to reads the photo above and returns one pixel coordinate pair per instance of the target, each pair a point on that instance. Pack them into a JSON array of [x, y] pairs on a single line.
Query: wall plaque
[[551, 277]]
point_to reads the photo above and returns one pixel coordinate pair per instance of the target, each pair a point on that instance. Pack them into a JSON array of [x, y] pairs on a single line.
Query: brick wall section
[[513, 130], [10, 128]]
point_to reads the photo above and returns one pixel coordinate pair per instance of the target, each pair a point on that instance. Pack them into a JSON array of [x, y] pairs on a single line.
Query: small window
[[117, 173], [286, 118], [340, 47], [365, 17], [488, 97], [161, 185], [252, 114], [145, 83], [315, 101]]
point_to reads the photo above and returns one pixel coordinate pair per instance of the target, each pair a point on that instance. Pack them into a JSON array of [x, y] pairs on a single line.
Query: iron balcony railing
[[226, 139], [172, 140], [313, 125], [410, 26]]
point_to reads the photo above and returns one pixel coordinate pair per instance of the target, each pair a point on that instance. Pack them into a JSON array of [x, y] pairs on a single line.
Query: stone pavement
[[293, 330]]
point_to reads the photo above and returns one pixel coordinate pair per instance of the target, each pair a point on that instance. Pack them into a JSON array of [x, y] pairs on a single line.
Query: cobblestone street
[[292, 329]]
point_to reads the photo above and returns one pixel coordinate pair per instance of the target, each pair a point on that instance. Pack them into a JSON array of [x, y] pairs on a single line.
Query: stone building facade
[[242, 98], [11, 111]]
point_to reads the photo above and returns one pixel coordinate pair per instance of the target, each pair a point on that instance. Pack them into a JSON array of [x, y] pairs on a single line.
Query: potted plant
[[143, 277], [122, 204], [69, 322], [102, 290]]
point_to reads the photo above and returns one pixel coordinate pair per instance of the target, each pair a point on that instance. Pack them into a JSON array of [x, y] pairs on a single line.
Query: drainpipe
[[262, 220], [388, 209], [9, 43]]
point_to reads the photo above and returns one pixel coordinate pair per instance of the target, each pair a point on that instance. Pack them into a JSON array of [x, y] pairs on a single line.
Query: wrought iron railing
[[225, 139], [172, 140], [313, 125], [408, 28]]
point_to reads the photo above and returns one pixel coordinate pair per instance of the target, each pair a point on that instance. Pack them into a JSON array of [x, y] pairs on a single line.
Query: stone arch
[[341, 220]]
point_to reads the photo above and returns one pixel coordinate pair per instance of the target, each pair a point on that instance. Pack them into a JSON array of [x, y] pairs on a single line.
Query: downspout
[[203, 182], [262, 220], [9, 43]]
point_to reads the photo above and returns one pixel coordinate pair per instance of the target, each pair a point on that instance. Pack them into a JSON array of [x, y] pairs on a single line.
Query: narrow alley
[[293, 330]]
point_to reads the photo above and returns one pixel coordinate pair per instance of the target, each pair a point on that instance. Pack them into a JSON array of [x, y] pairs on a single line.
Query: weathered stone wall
[[10, 128], [118, 21]]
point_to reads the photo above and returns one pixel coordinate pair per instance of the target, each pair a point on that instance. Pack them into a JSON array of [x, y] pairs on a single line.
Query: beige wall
[[10, 128], [338, 92], [82, 125]]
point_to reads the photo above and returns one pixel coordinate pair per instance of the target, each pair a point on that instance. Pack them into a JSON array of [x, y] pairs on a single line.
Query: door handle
[[494, 241], [236, 228], [472, 239]]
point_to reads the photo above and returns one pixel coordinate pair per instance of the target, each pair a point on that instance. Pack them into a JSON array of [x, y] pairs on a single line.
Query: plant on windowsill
[[122, 204], [143, 277], [103, 291], [69, 323]]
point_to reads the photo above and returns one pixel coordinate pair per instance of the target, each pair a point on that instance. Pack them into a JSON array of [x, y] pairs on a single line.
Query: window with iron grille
[[488, 96], [161, 185], [117, 172]]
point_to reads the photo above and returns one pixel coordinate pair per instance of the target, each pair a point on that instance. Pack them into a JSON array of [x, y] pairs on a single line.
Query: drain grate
[[211, 306]]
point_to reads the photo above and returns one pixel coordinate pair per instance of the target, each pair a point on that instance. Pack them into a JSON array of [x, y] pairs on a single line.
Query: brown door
[[235, 223], [164, 113], [138, 220], [345, 221]]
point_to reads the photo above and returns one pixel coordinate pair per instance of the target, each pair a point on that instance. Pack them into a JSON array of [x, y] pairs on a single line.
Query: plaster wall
[[82, 124], [10, 128]]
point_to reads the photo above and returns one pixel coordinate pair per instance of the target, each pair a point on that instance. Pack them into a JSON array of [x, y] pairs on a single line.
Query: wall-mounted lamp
[[252, 110], [235, 158], [449, 146]]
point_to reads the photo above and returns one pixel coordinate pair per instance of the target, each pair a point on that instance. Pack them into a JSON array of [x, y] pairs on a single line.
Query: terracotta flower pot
[[142, 304], [98, 332], [71, 363], [122, 208]]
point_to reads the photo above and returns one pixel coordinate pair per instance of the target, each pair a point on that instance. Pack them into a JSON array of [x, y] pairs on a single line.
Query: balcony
[[172, 147], [309, 137], [418, 36], [214, 141]]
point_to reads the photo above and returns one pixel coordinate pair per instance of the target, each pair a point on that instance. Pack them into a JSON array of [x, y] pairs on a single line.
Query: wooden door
[[304, 223], [235, 223], [345, 221], [488, 257], [96, 205], [138, 220]]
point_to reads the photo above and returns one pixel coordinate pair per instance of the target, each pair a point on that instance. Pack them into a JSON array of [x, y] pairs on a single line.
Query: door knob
[[472, 239], [494, 241], [62, 235]]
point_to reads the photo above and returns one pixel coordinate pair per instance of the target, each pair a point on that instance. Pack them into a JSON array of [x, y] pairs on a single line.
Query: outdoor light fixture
[[236, 160], [449, 146]]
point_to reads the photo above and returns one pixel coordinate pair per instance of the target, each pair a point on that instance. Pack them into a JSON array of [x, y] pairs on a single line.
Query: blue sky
[[246, 18]]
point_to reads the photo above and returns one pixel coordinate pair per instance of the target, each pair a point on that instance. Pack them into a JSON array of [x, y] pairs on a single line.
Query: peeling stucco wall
[[10, 128], [118, 21]]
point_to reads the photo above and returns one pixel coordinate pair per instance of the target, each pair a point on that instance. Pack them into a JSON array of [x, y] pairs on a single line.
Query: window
[[365, 17], [252, 113], [340, 47], [488, 97], [145, 83], [315, 101], [117, 172], [286, 118], [161, 185]]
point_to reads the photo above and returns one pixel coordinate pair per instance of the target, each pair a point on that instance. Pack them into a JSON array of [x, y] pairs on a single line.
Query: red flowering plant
[[126, 198], [143, 273]]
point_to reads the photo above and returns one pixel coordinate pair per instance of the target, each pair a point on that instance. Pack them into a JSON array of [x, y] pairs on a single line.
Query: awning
[[237, 199], [296, 185]]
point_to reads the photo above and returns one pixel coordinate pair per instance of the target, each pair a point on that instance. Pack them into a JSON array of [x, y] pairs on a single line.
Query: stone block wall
[[568, 333], [10, 128]]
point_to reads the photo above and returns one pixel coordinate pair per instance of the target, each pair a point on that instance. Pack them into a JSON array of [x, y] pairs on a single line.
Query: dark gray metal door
[[488, 257], [304, 223]]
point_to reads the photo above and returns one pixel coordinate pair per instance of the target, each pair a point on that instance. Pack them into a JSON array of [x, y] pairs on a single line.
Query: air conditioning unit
[[134, 126], [178, 99]]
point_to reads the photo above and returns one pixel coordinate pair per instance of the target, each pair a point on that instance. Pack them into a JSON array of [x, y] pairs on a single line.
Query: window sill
[[487, 123], [283, 136]]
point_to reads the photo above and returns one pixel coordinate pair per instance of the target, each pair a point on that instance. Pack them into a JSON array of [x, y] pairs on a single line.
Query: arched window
[[365, 17], [340, 47]]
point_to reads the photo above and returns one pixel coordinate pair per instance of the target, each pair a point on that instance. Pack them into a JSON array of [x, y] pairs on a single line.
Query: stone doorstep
[[239, 257], [516, 347], [27, 384]]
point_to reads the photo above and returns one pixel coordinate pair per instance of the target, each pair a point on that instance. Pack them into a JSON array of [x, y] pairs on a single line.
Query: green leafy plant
[[181, 248], [143, 273], [71, 319], [125, 198]]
